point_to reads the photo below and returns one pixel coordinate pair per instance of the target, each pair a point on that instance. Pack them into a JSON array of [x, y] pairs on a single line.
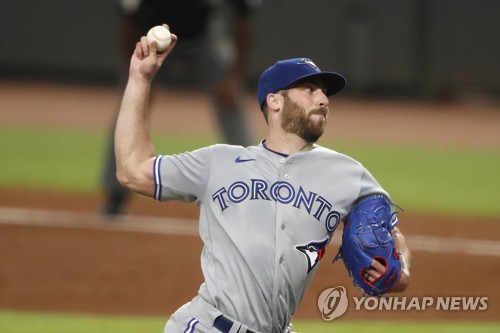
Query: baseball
[[161, 36]]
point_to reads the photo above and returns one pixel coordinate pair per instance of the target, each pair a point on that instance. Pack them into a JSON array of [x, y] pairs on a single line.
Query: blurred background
[[437, 48]]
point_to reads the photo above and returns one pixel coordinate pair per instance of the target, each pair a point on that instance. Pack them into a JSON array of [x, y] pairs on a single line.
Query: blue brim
[[333, 82]]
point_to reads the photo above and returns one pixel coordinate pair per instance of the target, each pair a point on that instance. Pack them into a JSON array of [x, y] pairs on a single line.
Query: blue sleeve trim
[[157, 177], [191, 325]]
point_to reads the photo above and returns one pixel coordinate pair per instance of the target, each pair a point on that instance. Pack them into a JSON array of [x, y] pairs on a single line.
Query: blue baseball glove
[[367, 236]]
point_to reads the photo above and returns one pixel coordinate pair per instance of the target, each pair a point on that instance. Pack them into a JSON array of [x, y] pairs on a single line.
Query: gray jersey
[[265, 220]]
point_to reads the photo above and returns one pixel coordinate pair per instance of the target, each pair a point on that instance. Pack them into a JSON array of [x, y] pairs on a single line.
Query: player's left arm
[[376, 270]]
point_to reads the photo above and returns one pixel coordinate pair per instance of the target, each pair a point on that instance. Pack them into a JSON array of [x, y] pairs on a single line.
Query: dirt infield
[[101, 270]]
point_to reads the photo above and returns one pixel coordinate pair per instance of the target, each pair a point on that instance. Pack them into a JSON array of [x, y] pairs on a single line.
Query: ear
[[274, 101]]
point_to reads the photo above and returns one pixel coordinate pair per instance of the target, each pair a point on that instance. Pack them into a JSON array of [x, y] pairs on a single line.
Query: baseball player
[[267, 212]]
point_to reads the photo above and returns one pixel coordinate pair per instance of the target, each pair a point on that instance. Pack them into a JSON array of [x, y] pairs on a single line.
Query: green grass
[[50, 158], [22, 322], [420, 179], [28, 322]]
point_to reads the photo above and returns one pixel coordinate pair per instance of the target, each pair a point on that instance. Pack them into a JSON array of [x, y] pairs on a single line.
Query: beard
[[296, 120]]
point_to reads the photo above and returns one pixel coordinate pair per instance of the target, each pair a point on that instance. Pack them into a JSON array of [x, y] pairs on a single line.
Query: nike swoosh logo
[[243, 160]]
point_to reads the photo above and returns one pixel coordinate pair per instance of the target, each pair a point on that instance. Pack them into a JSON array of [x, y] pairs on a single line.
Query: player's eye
[[309, 89]]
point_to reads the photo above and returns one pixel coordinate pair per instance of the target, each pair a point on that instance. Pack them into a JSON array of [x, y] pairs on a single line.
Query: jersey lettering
[[218, 195], [259, 188], [238, 192], [278, 195], [308, 201], [282, 192]]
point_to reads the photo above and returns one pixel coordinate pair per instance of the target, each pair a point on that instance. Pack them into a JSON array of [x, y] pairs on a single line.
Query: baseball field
[[65, 268]]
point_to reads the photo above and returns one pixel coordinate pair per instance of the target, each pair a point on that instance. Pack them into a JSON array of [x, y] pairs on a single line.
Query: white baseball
[[161, 36]]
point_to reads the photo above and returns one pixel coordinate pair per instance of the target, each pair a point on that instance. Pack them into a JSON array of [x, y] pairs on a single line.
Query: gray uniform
[[265, 220]]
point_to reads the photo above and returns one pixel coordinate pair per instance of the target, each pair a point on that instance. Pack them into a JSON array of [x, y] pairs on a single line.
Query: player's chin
[[313, 132]]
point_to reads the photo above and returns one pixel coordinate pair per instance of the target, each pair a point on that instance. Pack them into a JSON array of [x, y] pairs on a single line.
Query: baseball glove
[[366, 236]]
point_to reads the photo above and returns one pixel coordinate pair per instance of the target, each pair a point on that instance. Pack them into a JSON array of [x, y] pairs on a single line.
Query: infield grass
[[420, 179], [28, 322]]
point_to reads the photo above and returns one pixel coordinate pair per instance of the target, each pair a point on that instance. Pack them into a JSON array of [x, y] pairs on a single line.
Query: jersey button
[[282, 160], [283, 227], [287, 176]]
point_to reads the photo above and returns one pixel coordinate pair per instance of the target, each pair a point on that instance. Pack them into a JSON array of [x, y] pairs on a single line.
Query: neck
[[287, 143]]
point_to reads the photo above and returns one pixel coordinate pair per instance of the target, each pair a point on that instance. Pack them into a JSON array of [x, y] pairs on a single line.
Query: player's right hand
[[145, 61]]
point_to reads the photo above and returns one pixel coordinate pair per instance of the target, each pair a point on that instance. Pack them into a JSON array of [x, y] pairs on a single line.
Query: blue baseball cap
[[286, 72]]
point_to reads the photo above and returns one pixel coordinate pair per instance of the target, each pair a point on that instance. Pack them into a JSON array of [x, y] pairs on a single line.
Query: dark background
[[424, 48]]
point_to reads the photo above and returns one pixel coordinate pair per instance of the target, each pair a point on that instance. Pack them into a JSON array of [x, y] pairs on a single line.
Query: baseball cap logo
[[307, 61], [332, 303]]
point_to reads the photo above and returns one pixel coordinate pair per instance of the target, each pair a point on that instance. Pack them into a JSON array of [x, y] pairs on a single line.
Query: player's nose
[[322, 99]]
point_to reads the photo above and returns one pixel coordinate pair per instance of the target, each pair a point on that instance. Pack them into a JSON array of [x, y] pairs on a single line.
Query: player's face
[[305, 111]]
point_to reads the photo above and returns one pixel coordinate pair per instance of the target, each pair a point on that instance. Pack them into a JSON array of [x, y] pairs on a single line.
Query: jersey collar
[[272, 151], [281, 154]]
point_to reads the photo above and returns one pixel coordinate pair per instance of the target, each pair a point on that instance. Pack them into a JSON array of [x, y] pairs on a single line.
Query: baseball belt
[[224, 324]]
